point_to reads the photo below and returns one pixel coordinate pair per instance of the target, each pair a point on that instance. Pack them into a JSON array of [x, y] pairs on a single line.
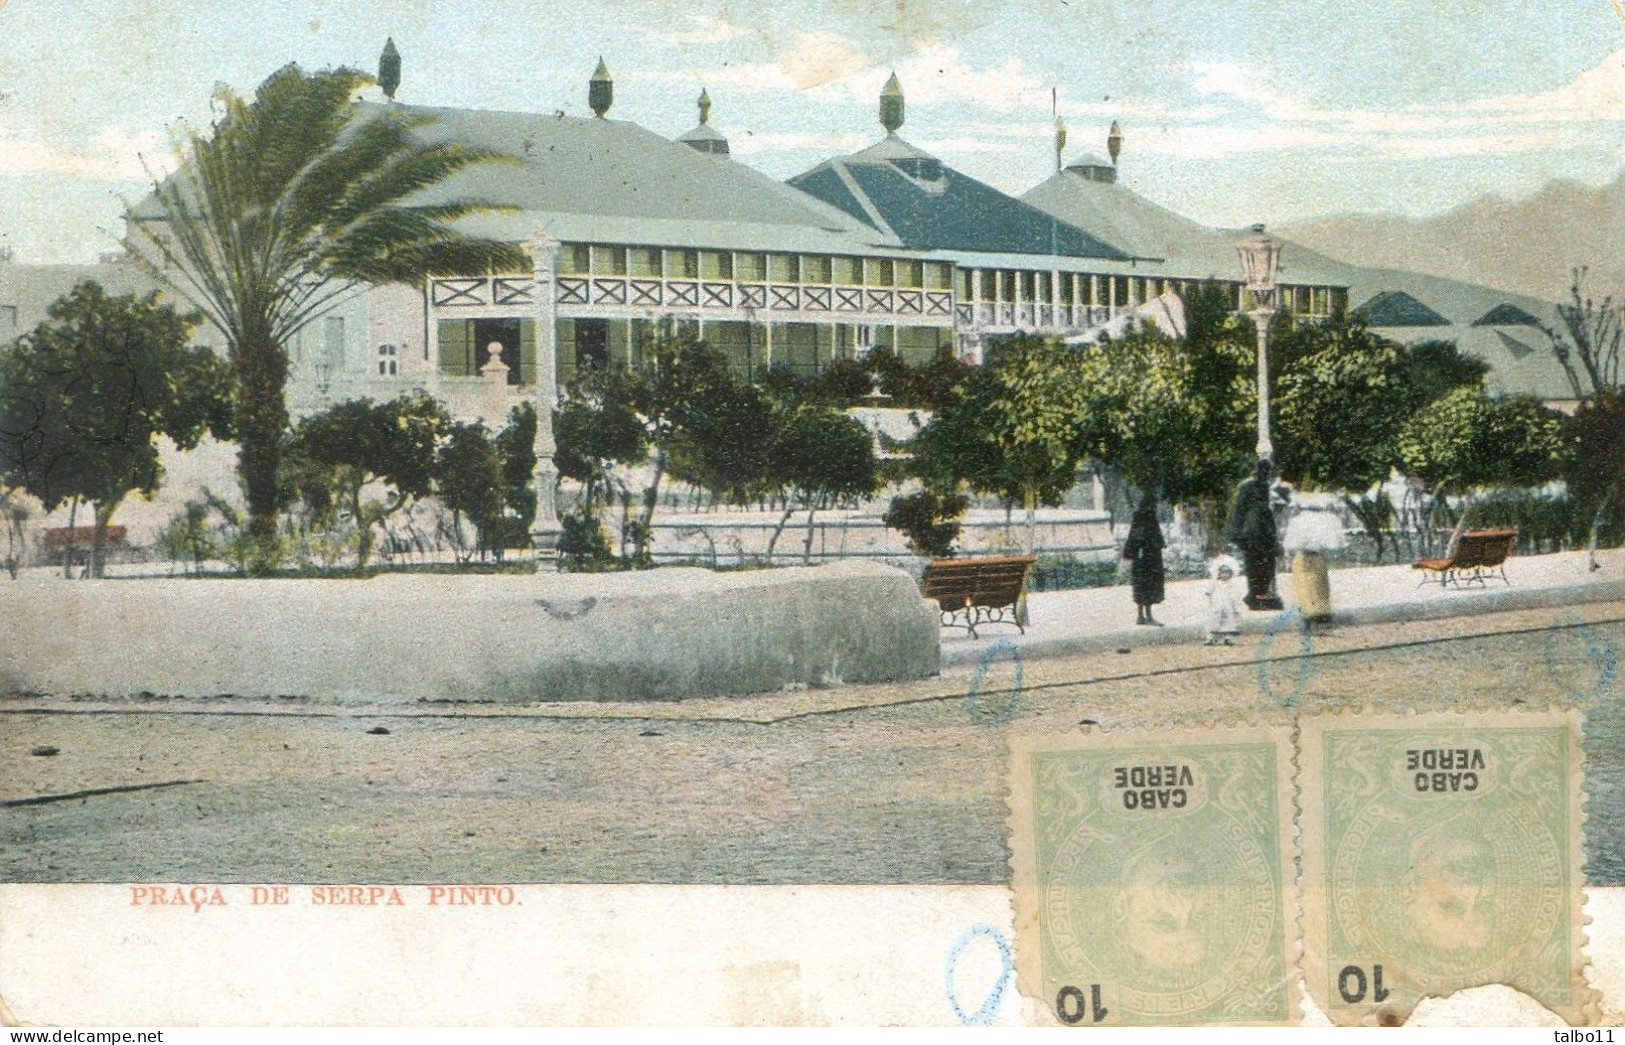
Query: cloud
[[702, 29], [1261, 117], [818, 58], [112, 154]]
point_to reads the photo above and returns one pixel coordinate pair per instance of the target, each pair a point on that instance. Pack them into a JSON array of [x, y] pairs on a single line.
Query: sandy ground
[[878, 784]]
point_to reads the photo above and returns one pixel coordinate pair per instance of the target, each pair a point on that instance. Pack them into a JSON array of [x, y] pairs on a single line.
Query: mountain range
[[1529, 246]]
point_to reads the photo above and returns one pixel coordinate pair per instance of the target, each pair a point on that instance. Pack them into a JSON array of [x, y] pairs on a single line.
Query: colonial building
[[887, 247]]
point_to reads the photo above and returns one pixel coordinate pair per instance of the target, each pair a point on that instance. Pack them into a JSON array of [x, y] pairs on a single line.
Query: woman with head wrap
[[1143, 550], [1252, 529]]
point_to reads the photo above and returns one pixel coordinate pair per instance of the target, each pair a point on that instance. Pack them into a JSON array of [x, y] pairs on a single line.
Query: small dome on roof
[[705, 138]]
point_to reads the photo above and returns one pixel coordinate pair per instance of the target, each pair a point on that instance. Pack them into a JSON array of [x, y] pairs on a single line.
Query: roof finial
[[1060, 142], [389, 69], [600, 90], [1114, 142], [891, 105], [705, 106]]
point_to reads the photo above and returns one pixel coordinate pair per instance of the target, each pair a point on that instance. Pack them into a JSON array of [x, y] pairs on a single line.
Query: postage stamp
[[1152, 875], [1442, 852]]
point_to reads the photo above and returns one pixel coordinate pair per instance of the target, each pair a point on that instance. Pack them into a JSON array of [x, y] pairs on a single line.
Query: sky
[[1233, 111]]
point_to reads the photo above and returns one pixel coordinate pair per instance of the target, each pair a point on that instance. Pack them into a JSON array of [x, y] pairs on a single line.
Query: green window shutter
[[527, 351], [456, 338], [564, 350]]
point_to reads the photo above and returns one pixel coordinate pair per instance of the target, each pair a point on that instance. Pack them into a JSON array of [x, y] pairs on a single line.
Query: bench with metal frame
[[973, 592], [1479, 555]]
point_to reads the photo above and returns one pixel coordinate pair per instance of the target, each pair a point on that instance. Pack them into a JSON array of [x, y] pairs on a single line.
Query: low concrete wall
[[735, 537], [661, 635]]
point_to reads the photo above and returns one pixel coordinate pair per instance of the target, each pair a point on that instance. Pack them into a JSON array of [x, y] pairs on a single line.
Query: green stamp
[[1441, 852], [1153, 877]]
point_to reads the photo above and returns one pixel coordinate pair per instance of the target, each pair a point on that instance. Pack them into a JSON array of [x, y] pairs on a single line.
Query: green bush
[[928, 522], [584, 544], [1543, 522], [1063, 572]]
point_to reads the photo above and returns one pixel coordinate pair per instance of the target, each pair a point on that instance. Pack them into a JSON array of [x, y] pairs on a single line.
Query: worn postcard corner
[[1442, 851]]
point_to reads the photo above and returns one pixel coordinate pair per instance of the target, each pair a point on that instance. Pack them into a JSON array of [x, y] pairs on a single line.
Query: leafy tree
[[1434, 368], [297, 198], [1176, 415], [1340, 404], [1009, 428], [1467, 440], [1342, 398], [595, 429], [820, 457], [843, 382], [87, 393], [650, 415], [468, 479], [336, 455], [677, 385], [726, 446], [516, 451]]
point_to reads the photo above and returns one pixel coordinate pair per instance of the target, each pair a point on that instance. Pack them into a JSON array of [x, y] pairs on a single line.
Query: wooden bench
[[1479, 555], [971, 592]]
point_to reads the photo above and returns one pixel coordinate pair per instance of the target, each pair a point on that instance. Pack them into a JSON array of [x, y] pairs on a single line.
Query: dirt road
[[856, 785]]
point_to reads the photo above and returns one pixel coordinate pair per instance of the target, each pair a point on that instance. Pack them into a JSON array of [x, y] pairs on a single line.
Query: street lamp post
[[1260, 256], [1252, 516]]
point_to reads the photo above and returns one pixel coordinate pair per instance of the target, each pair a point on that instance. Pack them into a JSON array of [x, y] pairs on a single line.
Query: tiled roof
[[1395, 308], [898, 188], [1505, 315]]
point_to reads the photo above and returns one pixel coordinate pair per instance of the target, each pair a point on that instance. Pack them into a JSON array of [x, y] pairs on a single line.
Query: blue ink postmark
[[1306, 648], [996, 712], [984, 1013], [1598, 655]]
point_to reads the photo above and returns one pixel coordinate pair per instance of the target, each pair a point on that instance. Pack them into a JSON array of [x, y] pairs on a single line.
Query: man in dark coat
[[1143, 549], [1252, 530]]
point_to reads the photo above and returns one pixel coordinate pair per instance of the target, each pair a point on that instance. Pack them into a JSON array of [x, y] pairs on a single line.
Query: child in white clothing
[[1223, 607]]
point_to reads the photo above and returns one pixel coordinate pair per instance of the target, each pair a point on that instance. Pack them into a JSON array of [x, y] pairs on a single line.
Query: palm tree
[[298, 198]]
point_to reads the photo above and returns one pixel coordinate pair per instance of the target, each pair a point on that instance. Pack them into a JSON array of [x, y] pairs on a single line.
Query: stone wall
[[659, 635]]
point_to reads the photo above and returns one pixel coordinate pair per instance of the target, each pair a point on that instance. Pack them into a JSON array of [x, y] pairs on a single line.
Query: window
[[575, 259], [609, 261], [964, 288], [1027, 292], [716, 265], [882, 272], [498, 336], [1041, 288], [1007, 285], [645, 261], [388, 361], [910, 274], [849, 271], [939, 275], [816, 269], [333, 344], [782, 267], [683, 264], [751, 266]]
